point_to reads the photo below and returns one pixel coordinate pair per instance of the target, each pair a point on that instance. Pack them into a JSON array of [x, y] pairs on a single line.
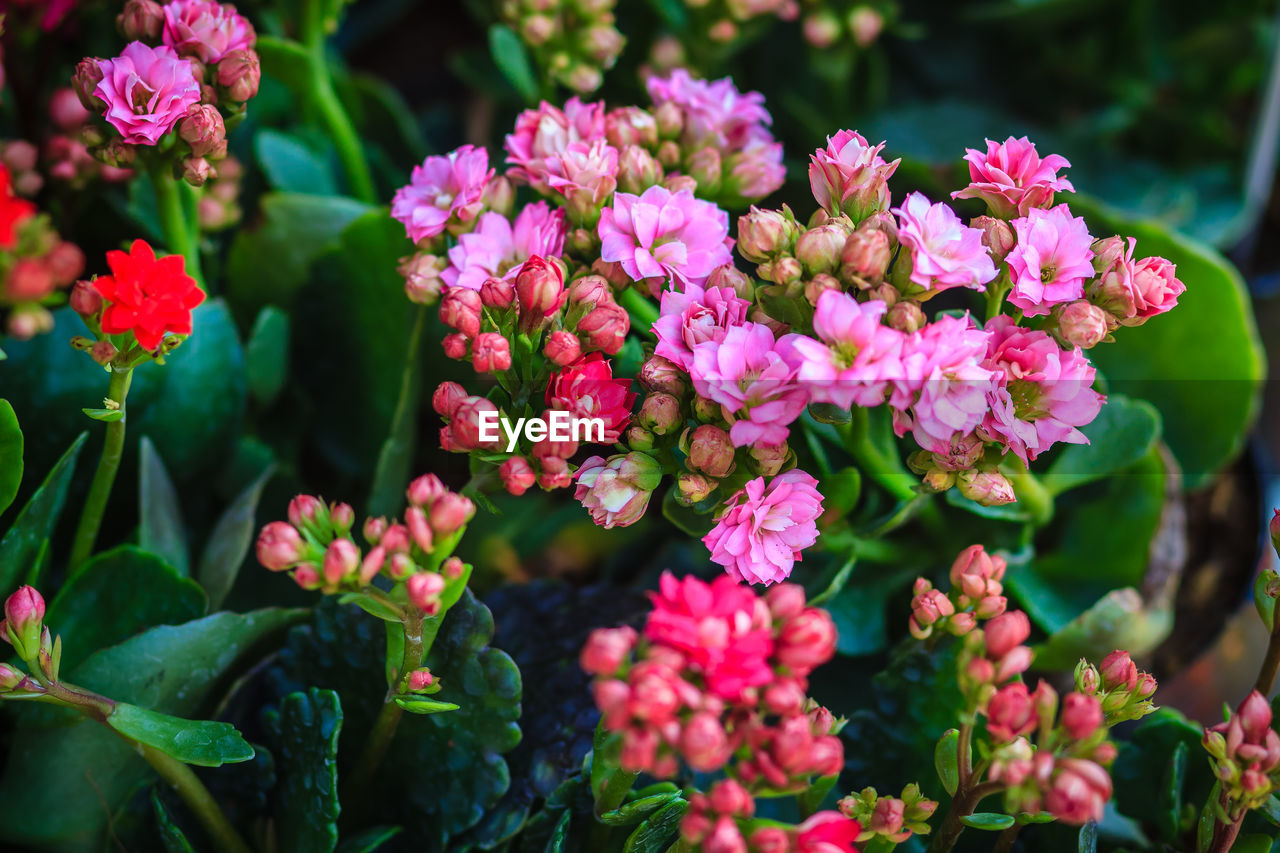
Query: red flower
[[146, 295], [13, 211], [828, 832], [586, 389]]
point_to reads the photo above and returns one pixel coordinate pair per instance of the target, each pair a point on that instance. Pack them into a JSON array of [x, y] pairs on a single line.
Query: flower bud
[[906, 316], [1005, 632], [865, 24], [279, 546], [606, 650], [1118, 671], [461, 310], [85, 299], [659, 374], [806, 641], [1082, 324], [704, 166], [562, 348], [819, 249], [638, 170], [985, 486], [669, 120], [497, 293], [453, 568], [711, 451], [141, 20], [85, 80], [415, 519], [24, 621], [770, 839], [65, 262], [420, 679], [1087, 679], [372, 564], [10, 677], [630, 126], [341, 559], [197, 171], [239, 73], [103, 352], [540, 290], [997, 236], [769, 459], [491, 352], [422, 275], [727, 275], [554, 473], [605, 327], [342, 517], [693, 488], [450, 512], [821, 29], [818, 285], [704, 744], [455, 346], [424, 591], [30, 280], [1081, 715], [517, 475], [203, 129], [66, 111], [660, 413], [730, 798], [765, 234], [447, 397]]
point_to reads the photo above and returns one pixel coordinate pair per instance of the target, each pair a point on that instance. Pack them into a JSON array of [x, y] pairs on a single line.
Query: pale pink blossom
[[755, 171], [856, 356], [748, 374], [584, 173], [205, 30], [443, 187], [693, 316], [547, 132], [945, 252], [849, 175], [1012, 178], [662, 234], [147, 91], [715, 112], [942, 392], [1051, 260], [1156, 288], [765, 526], [1043, 393], [497, 248], [616, 490]]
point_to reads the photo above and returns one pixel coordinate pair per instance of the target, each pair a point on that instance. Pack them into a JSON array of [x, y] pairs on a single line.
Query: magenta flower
[[765, 527], [945, 253], [747, 373], [694, 316], [856, 357], [496, 249], [849, 175], [442, 187], [547, 132], [585, 174], [1012, 178], [943, 389], [1043, 393], [1051, 260], [147, 91], [662, 234], [715, 112], [205, 30]]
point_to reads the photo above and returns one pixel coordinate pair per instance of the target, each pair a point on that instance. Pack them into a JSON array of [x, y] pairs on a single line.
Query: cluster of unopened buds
[[894, 819], [576, 41], [23, 628], [35, 264], [828, 23], [185, 75], [723, 821], [1245, 754], [317, 547], [65, 153], [976, 595]]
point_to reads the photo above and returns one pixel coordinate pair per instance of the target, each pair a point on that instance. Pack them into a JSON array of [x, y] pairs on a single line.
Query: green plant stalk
[[962, 805], [384, 727], [889, 473], [1032, 494], [180, 232], [1224, 835], [615, 790], [392, 472], [198, 799], [337, 122], [95, 505], [642, 310], [1004, 844], [1271, 663]]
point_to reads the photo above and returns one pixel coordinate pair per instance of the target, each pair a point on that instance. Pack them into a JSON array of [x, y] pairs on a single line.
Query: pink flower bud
[[703, 743], [659, 374], [24, 619], [29, 281], [342, 517], [396, 539], [103, 352], [85, 80], [453, 569], [1082, 324], [1005, 632], [1081, 715], [627, 126], [203, 129], [424, 591], [420, 679], [930, 606], [554, 473], [997, 236], [765, 234], [197, 171], [372, 564], [820, 249], [374, 528], [447, 397], [1118, 671], [711, 451], [9, 677], [1017, 661], [660, 413], [85, 299], [66, 111], [866, 254], [1010, 713], [279, 546], [461, 309], [638, 170], [785, 698], [450, 512], [770, 839], [1255, 716], [986, 486], [1078, 791], [806, 641], [887, 817], [562, 348], [141, 20], [497, 293], [65, 262], [424, 490], [239, 73], [491, 352], [865, 23], [400, 566], [1146, 686], [517, 475], [341, 559], [605, 327], [727, 797], [455, 346], [693, 488], [821, 29], [540, 290], [419, 530], [770, 459], [422, 273], [465, 425]]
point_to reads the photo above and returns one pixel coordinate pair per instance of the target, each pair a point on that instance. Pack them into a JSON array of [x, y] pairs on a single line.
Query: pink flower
[[1012, 178], [828, 832], [147, 91], [442, 187], [587, 389], [943, 383], [662, 234], [496, 249], [585, 174], [747, 373], [1044, 392], [616, 491], [849, 175], [1156, 289], [205, 30], [945, 253], [1078, 791], [765, 527], [1010, 713], [721, 627], [694, 316], [715, 112], [755, 171], [857, 355], [547, 132], [1051, 260]]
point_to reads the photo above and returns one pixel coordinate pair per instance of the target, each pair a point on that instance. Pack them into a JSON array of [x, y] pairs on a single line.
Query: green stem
[[95, 505], [962, 805], [888, 472], [394, 459], [1270, 664], [180, 231], [335, 118], [384, 728], [198, 799], [615, 790], [642, 309], [1032, 494]]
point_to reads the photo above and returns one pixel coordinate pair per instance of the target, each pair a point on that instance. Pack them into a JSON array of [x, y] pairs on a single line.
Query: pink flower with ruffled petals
[[442, 187], [694, 316], [662, 234], [547, 132], [748, 374], [715, 112], [945, 252], [1012, 178], [585, 174], [943, 388], [765, 527], [205, 30], [147, 91], [1044, 392], [497, 249], [1050, 261], [721, 627], [857, 355], [849, 175]]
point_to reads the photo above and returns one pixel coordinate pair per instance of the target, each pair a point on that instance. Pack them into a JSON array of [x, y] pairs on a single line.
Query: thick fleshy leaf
[[22, 544], [229, 542], [1118, 620], [512, 59], [291, 166], [267, 354], [305, 730], [10, 455], [946, 760], [369, 840], [206, 743], [171, 835], [988, 821], [1124, 432], [1151, 782], [160, 527], [658, 831]]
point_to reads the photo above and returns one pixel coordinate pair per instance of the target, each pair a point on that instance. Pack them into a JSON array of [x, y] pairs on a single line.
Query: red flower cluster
[[13, 211], [713, 822], [586, 389], [146, 295]]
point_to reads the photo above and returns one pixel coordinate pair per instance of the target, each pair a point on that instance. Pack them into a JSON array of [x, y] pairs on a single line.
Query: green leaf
[[395, 458], [205, 743], [10, 455], [1088, 839], [512, 60], [859, 609], [657, 832], [988, 821], [1252, 843], [34, 525], [1152, 782], [286, 61], [267, 354], [160, 528], [171, 835], [629, 814], [688, 519], [946, 760], [115, 595], [374, 606], [369, 840], [1206, 386], [1120, 619], [107, 416], [1123, 433], [230, 541], [419, 705], [59, 756], [291, 166], [306, 728], [560, 835]]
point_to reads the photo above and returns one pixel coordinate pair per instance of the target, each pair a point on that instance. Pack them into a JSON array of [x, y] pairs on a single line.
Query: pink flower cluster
[[716, 668], [443, 188], [719, 821], [764, 527], [976, 595], [1245, 751]]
